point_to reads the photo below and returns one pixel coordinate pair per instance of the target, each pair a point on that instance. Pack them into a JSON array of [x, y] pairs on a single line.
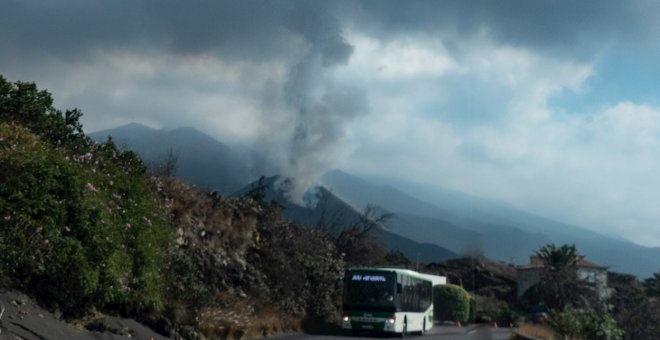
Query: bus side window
[[399, 288]]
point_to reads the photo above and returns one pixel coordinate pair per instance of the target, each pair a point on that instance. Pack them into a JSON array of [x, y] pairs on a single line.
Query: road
[[479, 332]]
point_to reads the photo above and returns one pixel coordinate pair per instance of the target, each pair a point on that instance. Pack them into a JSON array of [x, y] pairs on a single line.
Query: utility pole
[[472, 257]]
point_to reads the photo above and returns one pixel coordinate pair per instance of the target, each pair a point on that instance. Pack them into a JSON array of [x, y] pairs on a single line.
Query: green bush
[[473, 311], [451, 303], [79, 229], [506, 316], [22, 103], [574, 324]]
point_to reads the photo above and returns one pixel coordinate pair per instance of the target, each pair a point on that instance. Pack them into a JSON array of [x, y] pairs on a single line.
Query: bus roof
[[435, 279]]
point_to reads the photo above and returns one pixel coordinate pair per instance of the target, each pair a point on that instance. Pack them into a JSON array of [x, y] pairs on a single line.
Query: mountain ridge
[[525, 230], [456, 221], [201, 159], [333, 213]]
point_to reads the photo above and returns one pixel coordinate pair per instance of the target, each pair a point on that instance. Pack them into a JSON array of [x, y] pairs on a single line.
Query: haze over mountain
[[331, 212], [201, 160], [461, 223], [208, 163], [551, 106]]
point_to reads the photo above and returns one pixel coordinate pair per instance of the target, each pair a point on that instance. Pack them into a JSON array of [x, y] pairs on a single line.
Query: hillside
[[200, 159], [332, 212], [458, 222], [93, 238], [461, 222]]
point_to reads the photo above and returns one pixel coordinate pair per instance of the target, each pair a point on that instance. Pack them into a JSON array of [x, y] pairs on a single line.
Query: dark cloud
[[570, 28], [308, 37], [246, 30], [260, 29]]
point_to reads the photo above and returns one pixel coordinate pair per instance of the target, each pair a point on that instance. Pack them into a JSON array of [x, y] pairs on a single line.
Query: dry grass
[[537, 331], [241, 320]]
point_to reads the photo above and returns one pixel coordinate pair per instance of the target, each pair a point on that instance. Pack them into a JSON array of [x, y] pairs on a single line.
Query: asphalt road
[[478, 332]]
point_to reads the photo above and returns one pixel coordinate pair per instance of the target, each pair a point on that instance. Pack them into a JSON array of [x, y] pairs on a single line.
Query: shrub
[[301, 266], [574, 324], [506, 316], [451, 303], [79, 230], [473, 310]]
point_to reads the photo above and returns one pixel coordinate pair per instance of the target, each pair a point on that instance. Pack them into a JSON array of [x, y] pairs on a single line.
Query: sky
[[551, 106]]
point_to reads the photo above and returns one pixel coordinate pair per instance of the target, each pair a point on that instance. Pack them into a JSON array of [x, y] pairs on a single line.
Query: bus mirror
[[399, 288]]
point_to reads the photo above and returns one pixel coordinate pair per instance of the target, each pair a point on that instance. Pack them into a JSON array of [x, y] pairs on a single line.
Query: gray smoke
[[319, 110]]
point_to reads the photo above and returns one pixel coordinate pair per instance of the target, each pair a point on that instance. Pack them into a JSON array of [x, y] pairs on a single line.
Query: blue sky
[[552, 106], [618, 76]]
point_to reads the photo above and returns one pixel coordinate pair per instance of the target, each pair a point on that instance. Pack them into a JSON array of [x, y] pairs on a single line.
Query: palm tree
[[559, 285], [559, 259]]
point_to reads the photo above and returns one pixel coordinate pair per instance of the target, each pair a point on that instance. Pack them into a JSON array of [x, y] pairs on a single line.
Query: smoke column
[[320, 110]]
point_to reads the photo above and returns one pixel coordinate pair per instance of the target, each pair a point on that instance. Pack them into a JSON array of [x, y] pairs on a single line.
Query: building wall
[[526, 278], [597, 277]]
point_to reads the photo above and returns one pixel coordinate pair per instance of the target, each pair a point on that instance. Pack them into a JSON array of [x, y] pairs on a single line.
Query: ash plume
[[318, 111]]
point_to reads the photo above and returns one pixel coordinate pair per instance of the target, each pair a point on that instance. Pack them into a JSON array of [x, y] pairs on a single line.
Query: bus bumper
[[360, 324]]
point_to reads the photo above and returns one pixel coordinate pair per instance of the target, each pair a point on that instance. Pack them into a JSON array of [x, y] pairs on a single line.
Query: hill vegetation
[[88, 230]]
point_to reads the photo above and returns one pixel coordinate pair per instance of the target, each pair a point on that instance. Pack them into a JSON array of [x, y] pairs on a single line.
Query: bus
[[388, 300]]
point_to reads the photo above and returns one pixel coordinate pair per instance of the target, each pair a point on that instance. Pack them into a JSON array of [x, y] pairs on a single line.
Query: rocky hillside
[[91, 235]]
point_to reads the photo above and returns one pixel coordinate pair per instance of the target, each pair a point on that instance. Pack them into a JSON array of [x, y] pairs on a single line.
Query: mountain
[[451, 220], [201, 160], [419, 220], [461, 222], [331, 212]]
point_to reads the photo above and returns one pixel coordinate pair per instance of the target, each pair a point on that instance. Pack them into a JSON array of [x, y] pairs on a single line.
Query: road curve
[[473, 332]]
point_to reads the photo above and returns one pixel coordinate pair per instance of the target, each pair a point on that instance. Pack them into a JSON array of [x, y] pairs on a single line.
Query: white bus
[[388, 300]]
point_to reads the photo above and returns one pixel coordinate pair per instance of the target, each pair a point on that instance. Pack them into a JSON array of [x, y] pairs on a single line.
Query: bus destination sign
[[369, 278]]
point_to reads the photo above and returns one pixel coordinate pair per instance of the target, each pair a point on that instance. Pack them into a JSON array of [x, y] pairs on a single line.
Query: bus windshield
[[370, 290]]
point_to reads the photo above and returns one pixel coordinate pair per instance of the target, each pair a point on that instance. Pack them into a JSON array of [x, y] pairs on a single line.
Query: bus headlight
[[345, 318], [391, 320]]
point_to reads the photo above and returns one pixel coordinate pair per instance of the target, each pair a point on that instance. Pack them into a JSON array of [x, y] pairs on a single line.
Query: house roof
[[581, 263], [588, 264]]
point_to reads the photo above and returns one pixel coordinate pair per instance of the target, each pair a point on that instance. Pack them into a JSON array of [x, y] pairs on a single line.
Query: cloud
[[567, 29], [453, 93], [224, 66], [591, 169]]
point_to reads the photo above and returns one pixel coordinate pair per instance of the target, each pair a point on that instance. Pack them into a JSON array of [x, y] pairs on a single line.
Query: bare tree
[[357, 241], [167, 166]]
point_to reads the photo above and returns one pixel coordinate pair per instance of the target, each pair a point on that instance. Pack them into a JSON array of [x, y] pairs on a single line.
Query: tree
[[167, 165], [23, 103], [559, 285], [559, 259], [652, 285], [397, 258], [638, 315], [357, 242]]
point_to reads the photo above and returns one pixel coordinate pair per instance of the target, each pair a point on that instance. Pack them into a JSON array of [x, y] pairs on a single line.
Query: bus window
[[370, 289]]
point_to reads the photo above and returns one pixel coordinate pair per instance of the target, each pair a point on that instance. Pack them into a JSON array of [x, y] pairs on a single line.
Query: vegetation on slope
[[81, 225], [86, 227]]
